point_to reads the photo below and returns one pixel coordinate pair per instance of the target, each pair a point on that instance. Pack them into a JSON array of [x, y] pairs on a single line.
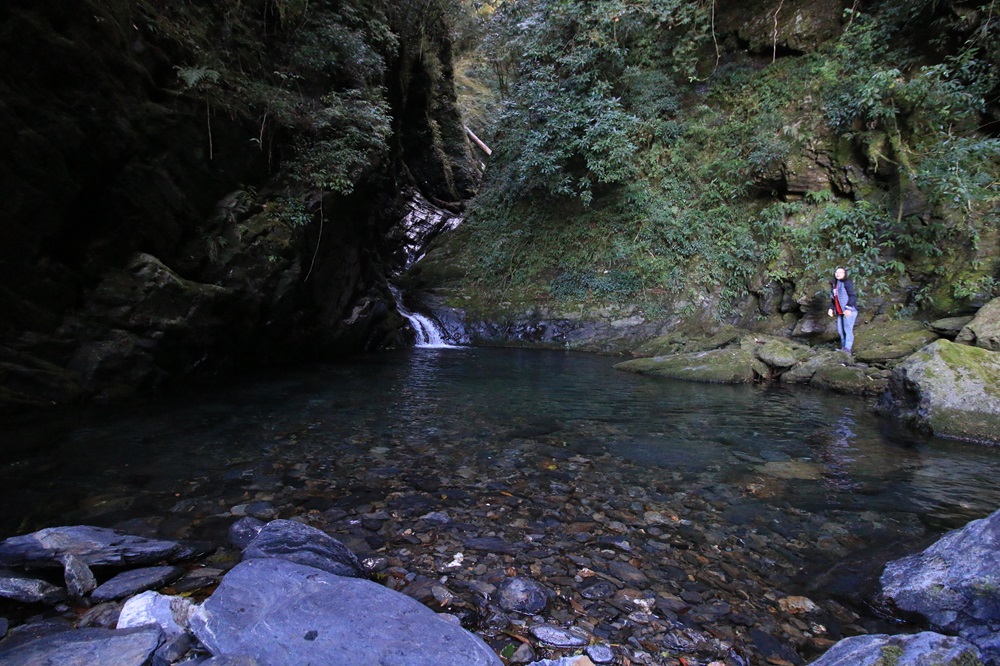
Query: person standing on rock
[[844, 305]]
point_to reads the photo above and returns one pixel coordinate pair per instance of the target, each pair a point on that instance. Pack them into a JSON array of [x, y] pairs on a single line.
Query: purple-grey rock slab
[[303, 544], [84, 647], [94, 546], [132, 582], [924, 649], [26, 589], [954, 584], [285, 614]]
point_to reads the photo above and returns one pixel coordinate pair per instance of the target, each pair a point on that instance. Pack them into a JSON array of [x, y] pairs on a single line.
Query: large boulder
[[887, 341], [282, 613], [921, 649], [949, 389], [984, 329], [954, 584], [729, 365]]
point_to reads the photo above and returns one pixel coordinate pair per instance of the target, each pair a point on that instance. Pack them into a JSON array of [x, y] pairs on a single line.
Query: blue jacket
[[845, 292]]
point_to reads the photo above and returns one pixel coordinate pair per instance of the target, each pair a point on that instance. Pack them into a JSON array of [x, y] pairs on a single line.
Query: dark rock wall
[[139, 241]]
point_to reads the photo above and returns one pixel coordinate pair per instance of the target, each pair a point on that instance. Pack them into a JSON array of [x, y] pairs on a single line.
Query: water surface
[[175, 455]]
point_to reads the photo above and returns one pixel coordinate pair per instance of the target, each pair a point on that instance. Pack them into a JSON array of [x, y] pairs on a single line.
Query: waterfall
[[428, 333], [422, 222]]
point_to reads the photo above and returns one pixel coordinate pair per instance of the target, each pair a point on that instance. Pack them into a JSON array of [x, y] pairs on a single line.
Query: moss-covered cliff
[[674, 164], [194, 186]]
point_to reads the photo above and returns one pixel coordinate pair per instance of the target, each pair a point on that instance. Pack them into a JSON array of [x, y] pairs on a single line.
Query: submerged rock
[[950, 389], [522, 595], [279, 612], [910, 650], [954, 584]]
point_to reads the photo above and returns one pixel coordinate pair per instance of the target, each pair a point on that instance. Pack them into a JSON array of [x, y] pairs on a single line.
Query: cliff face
[[754, 147], [191, 187]]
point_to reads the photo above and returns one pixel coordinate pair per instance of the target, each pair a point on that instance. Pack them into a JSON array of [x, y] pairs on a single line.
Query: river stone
[[80, 580], [138, 580], [923, 649], [950, 389], [730, 365], [21, 587], [283, 613], [85, 647], [558, 636], [955, 584], [296, 542], [244, 530], [984, 329], [171, 614], [522, 595], [95, 546]]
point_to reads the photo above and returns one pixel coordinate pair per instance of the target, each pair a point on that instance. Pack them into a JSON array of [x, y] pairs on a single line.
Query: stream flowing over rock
[[949, 389], [954, 584]]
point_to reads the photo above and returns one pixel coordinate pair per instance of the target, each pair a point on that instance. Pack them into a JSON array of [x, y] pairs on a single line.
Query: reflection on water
[[808, 449]]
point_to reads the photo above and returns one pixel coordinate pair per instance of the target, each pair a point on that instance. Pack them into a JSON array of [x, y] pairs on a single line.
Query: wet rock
[[950, 389], [94, 546], [984, 329], [600, 654], [523, 595], [491, 545], [296, 542], [244, 530], [171, 614], [954, 584], [797, 605], [909, 650], [598, 588], [579, 660], [559, 637], [280, 612], [24, 588], [774, 651], [130, 647], [80, 580], [138, 580]]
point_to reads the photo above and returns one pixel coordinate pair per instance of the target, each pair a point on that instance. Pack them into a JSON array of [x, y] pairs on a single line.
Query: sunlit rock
[[949, 389]]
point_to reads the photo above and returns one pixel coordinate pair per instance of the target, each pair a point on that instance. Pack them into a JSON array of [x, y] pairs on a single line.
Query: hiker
[[844, 304]]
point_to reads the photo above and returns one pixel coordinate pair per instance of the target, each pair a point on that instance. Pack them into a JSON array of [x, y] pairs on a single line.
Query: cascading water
[[422, 223], [428, 333]]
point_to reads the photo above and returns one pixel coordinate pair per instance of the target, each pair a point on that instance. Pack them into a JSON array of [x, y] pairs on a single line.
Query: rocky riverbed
[[547, 552]]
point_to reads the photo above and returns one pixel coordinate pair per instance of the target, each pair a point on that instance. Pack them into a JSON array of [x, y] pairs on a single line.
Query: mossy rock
[[984, 329], [949, 389], [848, 379], [884, 341], [804, 371], [731, 365], [781, 353], [677, 342]]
